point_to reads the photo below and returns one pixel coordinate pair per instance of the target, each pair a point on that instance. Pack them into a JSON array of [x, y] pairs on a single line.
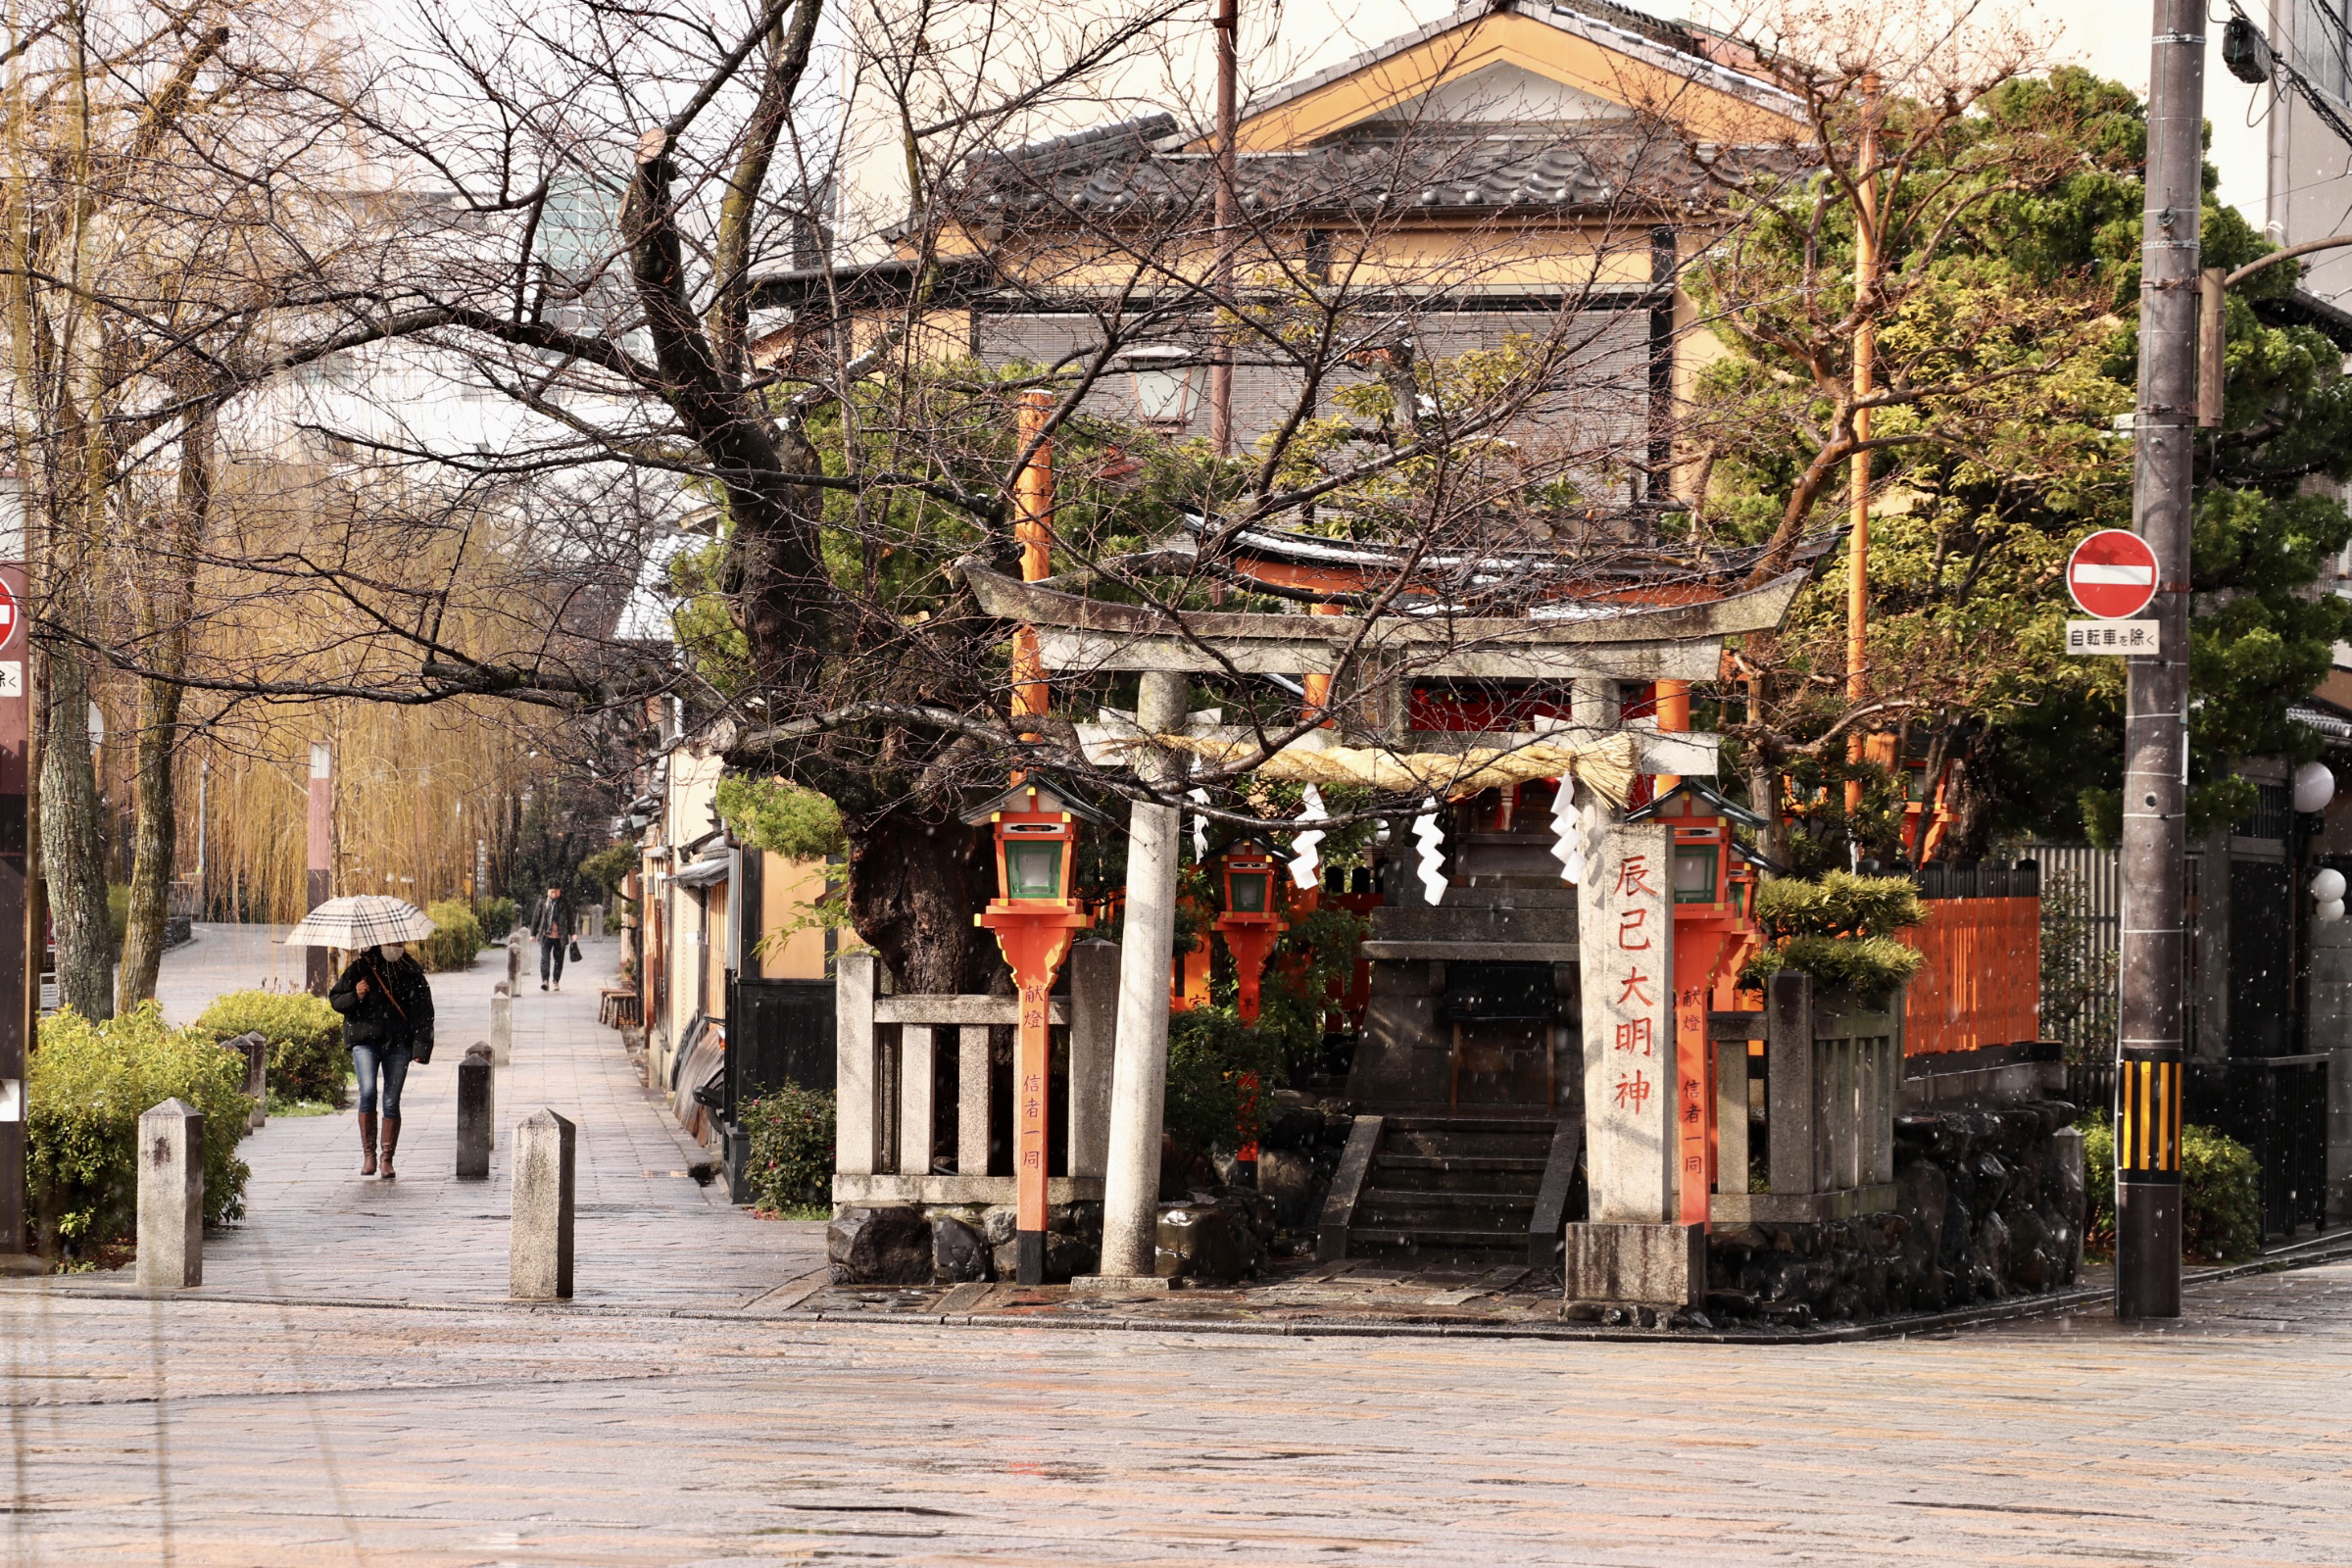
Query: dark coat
[[556, 913], [398, 1009]]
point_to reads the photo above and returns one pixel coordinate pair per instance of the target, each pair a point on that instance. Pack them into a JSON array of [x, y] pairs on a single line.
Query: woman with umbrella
[[387, 1004]]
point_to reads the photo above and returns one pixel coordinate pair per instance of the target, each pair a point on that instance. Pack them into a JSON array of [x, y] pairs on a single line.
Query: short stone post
[[539, 1236], [256, 1051], [501, 1026], [514, 960], [476, 1113], [2065, 1151], [171, 1197]]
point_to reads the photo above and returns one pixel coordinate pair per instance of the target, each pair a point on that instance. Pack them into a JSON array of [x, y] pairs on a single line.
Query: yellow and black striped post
[[2149, 1102]]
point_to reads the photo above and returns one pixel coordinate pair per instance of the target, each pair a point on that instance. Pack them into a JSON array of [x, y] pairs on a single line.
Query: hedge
[[2221, 1199], [308, 1059], [497, 916], [457, 937], [1209, 1104], [791, 1156], [88, 1084]]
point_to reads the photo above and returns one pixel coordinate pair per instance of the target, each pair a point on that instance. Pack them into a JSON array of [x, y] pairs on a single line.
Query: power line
[[2253, 59]]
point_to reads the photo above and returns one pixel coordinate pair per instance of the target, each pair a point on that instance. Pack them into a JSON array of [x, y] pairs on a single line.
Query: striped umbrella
[[360, 921]]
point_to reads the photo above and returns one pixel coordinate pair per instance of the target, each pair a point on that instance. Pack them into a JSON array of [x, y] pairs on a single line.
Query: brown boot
[[391, 1142], [368, 1143]]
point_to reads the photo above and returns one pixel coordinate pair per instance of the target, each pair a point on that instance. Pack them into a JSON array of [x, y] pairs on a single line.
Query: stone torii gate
[[1634, 1237]]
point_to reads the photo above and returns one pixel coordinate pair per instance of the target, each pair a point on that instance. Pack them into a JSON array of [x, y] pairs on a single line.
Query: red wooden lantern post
[[1248, 924], [1713, 887], [1035, 921]]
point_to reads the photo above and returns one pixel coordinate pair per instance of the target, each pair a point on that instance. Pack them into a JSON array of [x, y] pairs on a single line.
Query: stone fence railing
[[921, 1098], [1832, 1077]]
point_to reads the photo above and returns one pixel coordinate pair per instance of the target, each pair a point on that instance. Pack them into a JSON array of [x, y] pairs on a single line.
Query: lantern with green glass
[[1248, 865]]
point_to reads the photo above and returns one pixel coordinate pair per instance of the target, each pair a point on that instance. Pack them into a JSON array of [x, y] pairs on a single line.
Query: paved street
[[649, 1235], [672, 1417], [212, 1433]]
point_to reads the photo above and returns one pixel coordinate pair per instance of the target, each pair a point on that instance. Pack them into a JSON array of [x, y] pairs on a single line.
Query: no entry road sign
[[2112, 574]]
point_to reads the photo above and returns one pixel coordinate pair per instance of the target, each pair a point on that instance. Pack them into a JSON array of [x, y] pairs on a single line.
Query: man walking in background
[[551, 923]]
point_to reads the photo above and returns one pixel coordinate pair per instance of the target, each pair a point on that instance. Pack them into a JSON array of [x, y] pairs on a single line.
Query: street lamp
[[1247, 866], [1035, 921], [1166, 381]]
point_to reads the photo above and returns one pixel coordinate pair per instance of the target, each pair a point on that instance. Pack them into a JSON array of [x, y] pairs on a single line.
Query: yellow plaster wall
[[1709, 114], [1500, 256], [787, 890]]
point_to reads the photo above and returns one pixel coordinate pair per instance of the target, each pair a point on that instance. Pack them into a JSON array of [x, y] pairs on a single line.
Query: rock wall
[[955, 1243], [1987, 1207]]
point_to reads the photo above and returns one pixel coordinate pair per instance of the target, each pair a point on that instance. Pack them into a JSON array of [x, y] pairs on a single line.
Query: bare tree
[[619, 227]]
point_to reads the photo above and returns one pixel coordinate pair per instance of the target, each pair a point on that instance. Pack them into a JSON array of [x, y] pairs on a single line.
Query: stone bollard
[[501, 1026], [476, 1113], [256, 1051], [171, 1197], [513, 961], [539, 1237], [2066, 1151]]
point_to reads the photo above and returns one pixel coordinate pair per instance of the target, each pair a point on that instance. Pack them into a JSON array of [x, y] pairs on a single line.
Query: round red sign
[[2112, 574], [8, 615]]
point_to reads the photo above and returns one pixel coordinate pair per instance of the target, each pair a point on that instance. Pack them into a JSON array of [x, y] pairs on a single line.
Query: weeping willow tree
[[283, 650], [417, 796]]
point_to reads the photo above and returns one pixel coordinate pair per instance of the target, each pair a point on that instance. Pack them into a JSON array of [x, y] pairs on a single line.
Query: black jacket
[[546, 912], [398, 1009]]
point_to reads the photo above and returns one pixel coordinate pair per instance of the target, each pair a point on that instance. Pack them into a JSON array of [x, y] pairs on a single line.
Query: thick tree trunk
[[170, 599], [913, 889], [72, 843], [154, 841], [1764, 795]]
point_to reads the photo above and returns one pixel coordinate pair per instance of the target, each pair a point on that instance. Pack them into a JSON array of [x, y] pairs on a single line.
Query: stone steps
[[1451, 1190]]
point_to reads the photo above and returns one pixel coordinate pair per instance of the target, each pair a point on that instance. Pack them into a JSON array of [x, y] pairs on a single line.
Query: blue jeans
[[392, 1061]]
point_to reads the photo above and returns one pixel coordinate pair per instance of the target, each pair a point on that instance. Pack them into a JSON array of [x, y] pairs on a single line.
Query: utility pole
[[1865, 347], [1227, 24], [2150, 1057]]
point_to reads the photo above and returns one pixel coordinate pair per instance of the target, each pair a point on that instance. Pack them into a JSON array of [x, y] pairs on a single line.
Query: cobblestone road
[[660, 1422]]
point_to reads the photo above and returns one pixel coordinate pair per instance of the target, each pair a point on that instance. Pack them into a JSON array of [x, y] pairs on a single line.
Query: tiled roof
[[1119, 169]]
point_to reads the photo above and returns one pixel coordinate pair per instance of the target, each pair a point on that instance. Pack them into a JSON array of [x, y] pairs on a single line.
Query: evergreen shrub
[[457, 937], [497, 916], [308, 1059], [1840, 930], [791, 1156], [2221, 1198], [1211, 1052], [88, 1084]]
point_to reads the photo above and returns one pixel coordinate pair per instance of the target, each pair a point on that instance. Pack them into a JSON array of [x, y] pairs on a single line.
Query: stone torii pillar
[[1140, 1063]]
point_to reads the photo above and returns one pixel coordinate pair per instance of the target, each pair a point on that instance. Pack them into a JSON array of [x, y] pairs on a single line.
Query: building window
[[1318, 255]]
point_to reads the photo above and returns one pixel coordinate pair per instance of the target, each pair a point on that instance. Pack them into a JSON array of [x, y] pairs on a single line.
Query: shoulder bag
[[420, 1046]]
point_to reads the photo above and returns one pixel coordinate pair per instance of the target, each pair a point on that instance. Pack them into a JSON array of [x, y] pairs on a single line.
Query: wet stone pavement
[[649, 1232], [350, 1387]]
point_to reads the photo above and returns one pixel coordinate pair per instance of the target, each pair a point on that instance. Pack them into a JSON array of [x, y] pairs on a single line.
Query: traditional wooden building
[[1519, 173]]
